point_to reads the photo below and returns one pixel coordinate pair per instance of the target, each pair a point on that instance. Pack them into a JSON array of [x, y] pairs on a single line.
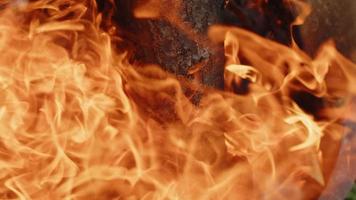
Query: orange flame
[[78, 121]]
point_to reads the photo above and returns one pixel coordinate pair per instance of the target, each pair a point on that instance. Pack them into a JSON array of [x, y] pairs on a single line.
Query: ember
[[95, 106]]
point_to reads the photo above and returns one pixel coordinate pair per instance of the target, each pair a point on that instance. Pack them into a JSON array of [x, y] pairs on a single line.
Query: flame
[[78, 121]]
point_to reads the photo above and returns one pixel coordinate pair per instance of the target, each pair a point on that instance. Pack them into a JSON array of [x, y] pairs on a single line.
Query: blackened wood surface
[[331, 19], [268, 18], [159, 41]]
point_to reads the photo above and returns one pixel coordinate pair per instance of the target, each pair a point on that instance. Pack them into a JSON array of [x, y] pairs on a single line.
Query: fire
[[79, 121]]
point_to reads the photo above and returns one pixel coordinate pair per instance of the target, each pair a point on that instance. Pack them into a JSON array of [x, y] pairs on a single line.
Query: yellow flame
[[78, 121]]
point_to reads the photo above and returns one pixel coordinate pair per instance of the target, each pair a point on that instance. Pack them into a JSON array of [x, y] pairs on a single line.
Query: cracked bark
[[158, 41]]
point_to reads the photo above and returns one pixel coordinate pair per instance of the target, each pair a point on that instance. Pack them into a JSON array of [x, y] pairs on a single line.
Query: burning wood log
[[165, 43]]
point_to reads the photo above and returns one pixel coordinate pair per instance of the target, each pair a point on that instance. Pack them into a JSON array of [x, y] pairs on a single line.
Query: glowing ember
[[78, 121]]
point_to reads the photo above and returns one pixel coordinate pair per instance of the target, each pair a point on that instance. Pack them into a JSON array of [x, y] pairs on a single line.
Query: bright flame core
[[78, 121]]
